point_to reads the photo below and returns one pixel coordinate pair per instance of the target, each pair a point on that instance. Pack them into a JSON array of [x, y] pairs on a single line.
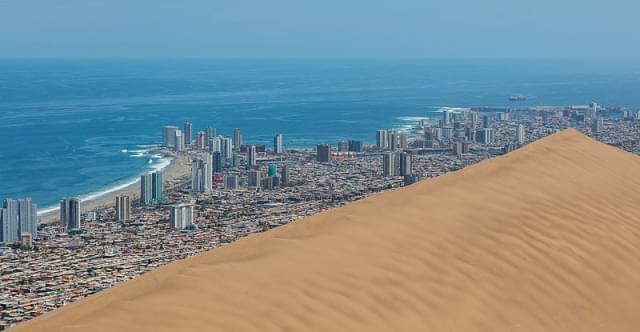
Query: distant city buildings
[[216, 159], [237, 139], [16, 217], [323, 153], [355, 146], [404, 141], [201, 140], [181, 216], [254, 178], [188, 133], [405, 164], [70, 213], [252, 156], [277, 144], [343, 146], [284, 175], [231, 182], [381, 139], [598, 126], [179, 140], [520, 134], [123, 207]]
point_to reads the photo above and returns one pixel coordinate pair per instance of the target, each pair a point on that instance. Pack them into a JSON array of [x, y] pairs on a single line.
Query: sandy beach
[[543, 239], [179, 168]]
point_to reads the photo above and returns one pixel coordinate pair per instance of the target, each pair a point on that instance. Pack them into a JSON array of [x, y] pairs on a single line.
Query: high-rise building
[[215, 144], [231, 181], [169, 136], [70, 213], [123, 208], [503, 116], [389, 165], [406, 164], [343, 146], [211, 133], [381, 139], [486, 136], [323, 153], [251, 157], [201, 174], [179, 141], [598, 126], [253, 178], [201, 140], [151, 188], [237, 139], [216, 159], [267, 183], [284, 175], [474, 118], [277, 144], [457, 148], [188, 133], [355, 146], [465, 147], [393, 140], [520, 134], [226, 148], [157, 192], [486, 121], [404, 141], [181, 216], [16, 217], [272, 170], [446, 117]]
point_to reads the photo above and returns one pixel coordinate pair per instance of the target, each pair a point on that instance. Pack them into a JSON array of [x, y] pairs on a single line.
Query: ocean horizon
[[86, 127]]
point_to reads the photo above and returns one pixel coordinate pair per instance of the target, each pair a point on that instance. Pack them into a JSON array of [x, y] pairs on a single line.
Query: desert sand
[[179, 168], [546, 238]]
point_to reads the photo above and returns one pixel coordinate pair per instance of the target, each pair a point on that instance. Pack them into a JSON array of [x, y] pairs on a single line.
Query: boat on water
[[518, 98]]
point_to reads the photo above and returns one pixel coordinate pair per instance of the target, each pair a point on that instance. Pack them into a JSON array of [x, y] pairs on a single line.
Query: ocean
[[84, 127]]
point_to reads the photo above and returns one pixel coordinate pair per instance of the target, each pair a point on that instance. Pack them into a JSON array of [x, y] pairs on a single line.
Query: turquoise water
[[73, 128]]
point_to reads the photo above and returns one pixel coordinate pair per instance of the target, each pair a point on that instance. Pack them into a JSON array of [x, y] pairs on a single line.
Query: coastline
[[176, 169]]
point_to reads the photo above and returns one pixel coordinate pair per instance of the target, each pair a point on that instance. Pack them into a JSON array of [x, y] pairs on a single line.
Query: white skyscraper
[[202, 174], [123, 207], [446, 117], [521, 137], [70, 213], [179, 140], [251, 156], [277, 144], [16, 217], [181, 216]]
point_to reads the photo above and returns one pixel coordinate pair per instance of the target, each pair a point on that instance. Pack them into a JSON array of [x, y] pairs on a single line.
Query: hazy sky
[[321, 28]]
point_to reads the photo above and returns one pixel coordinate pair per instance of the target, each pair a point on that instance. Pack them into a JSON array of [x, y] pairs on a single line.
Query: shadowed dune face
[[544, 239]]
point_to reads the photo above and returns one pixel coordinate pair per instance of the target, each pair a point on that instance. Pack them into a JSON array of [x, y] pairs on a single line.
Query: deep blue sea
[[72, 128]]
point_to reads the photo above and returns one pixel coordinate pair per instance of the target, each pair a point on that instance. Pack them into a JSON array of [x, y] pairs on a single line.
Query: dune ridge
[[546, 238]]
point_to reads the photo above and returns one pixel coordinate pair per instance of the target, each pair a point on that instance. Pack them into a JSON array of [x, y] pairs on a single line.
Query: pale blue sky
[[322, 28]]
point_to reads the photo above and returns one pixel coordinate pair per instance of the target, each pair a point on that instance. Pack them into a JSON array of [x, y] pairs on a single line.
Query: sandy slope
[[544, 239]]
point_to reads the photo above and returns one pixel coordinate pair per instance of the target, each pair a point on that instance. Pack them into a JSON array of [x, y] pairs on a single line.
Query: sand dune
[[544, 239]]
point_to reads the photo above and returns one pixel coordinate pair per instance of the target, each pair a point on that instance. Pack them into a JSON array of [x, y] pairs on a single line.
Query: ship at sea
[[518, 98]]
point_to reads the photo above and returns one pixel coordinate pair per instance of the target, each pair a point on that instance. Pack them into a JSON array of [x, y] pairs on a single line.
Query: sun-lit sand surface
[[544, 239]]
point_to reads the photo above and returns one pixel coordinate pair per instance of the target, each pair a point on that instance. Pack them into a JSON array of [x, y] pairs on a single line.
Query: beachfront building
[[277, 144], [323, 153], [211, 133], [355, 146], [201, 140], [18, 216], [251, 157], [70, 213], [201, 174], [123, 207], [381, 139], [188, 133], [169, 136], [179, 140], [181, 216]]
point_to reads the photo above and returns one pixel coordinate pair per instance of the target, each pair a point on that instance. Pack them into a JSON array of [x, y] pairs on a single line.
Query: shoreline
[[174, 170]]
